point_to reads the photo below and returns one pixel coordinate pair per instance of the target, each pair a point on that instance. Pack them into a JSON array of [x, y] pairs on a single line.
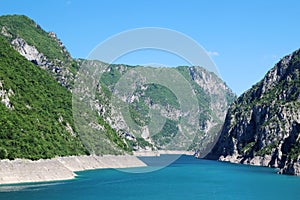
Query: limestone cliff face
[[57, 68], [262, 126], [213, 96]]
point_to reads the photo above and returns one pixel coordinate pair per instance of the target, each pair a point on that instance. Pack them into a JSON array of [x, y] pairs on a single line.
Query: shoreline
[[64, 168], [290, 168], [60, 168], [161, 152]]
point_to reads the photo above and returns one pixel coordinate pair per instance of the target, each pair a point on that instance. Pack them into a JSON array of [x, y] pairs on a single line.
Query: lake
[[187, 178]]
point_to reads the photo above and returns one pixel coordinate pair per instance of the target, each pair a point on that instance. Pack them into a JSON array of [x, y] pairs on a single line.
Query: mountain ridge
[[40, 47], [262, 126]]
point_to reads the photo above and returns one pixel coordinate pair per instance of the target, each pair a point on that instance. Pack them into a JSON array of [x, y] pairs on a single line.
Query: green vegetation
[[154, 94], [167, 133], [159, 94], [295, 151], [3, 153], [113, 136], [139, 112], [143, 143], [140, 142], [106, 92], [19, 26], [36, 126], [292, 85], [110, 78], [34, 35], [248, 147], [267, 150]]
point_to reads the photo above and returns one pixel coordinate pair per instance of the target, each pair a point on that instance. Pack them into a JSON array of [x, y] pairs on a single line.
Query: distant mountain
[[213, 97], [43, 50], [262, 126]]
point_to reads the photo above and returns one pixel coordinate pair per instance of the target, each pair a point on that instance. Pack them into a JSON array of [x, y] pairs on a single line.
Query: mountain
[[40, 47], [262, 126], [44, 51], [36, 117], [213, 97], [107, 133]]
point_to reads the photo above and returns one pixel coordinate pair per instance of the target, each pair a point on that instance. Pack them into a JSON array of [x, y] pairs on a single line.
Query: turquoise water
[[187, 178]]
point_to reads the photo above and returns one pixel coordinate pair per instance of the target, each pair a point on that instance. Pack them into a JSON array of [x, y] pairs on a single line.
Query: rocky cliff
[[262, 126], [212, 94]]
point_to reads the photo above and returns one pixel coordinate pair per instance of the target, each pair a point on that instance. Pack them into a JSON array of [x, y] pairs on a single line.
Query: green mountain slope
[[36, 116], [41, 47], [33, 34], [262, 126], [47, 52]]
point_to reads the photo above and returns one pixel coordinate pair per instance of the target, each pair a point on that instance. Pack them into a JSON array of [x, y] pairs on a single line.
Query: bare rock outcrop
[[262, 126]]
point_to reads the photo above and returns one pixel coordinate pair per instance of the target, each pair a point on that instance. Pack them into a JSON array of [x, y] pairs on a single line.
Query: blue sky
[[245, 38]]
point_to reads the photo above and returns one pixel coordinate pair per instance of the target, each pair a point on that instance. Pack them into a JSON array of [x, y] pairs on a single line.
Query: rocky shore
[[60, 168], [292, 168], [262, 127]]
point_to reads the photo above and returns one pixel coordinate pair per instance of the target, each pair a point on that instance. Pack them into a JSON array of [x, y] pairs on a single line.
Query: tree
[[3, 153]]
